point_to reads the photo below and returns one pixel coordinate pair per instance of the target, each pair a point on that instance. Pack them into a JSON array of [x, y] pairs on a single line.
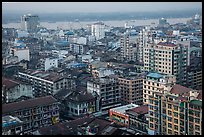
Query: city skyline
[[67, 7]]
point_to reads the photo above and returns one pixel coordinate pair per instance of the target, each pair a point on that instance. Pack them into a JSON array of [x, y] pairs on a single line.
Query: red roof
[[166, 44], [140, 110], [9, 83], [178, 89]]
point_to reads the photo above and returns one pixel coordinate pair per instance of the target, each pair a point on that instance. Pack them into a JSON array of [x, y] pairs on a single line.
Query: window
[[197, 120], [197, 133], [151, 125], [169, 131], [169, 112], [176, 127], [197, 113], [197, 127], [169, 106], [169, 125], [169, 119], [176, 108], [176, 121]]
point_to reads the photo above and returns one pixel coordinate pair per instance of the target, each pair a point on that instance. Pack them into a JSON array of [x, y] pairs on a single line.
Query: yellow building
[[156, 83], [178, 112]]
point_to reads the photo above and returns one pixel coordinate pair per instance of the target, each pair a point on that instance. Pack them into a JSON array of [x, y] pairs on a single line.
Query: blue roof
[[155, 75], [69, 33], [21, 46], [62, 42], [19, 41]]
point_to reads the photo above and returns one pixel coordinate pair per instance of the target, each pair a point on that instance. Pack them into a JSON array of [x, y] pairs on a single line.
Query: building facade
[[178, 112], [118, 114], [138, 118], [107, 91], [34, 113], [128, 49], [167, 58], [131, 88], [22, 52], [79, 104], [12, 90], [98, 30], [11, 125], [155, 82], [29, 22], [46, 83], [50, 62]]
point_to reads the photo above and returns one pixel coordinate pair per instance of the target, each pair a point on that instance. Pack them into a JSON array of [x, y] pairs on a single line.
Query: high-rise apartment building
[[167, 58], [29, 22], [177, 112], [98, 30], [145, 36], [156, 83], [128, 49]]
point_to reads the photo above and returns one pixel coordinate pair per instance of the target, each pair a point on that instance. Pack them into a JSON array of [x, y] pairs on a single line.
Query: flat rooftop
[[155, 75], [122, 109], [10, 121]]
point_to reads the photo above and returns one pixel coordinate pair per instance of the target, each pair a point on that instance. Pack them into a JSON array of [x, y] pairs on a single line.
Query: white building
[[77, 48], [29, 23], [21, 51], [12, 90], [22, 33], [80, 40], [98, 30], [51, 62], [128, 50]]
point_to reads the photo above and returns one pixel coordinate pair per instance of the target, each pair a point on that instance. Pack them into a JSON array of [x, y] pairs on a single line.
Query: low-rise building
[[80, 103], [11, 125], [34, 113], [13, 89], [138, 118], [45, 83], [80, 126], [119, 115]]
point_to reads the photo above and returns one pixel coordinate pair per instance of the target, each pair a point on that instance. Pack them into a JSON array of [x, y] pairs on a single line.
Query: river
[[115, 23]]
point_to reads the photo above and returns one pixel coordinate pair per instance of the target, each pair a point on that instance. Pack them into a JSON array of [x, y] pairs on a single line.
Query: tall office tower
[[29, 22], [177, 112], [167, 58], [128, 49], [98, 30], [131, 88], [156, 83]]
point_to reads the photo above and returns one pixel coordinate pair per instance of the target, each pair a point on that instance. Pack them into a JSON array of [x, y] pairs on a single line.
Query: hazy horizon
[[91, 7]]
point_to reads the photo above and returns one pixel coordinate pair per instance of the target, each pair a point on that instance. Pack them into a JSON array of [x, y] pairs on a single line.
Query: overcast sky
[[58, 7]]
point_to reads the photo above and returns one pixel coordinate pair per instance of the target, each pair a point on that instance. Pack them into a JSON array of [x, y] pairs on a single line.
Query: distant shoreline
[[83, 24]]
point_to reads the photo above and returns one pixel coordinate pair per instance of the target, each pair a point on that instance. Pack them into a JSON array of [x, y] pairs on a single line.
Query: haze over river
[[115, 23]]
